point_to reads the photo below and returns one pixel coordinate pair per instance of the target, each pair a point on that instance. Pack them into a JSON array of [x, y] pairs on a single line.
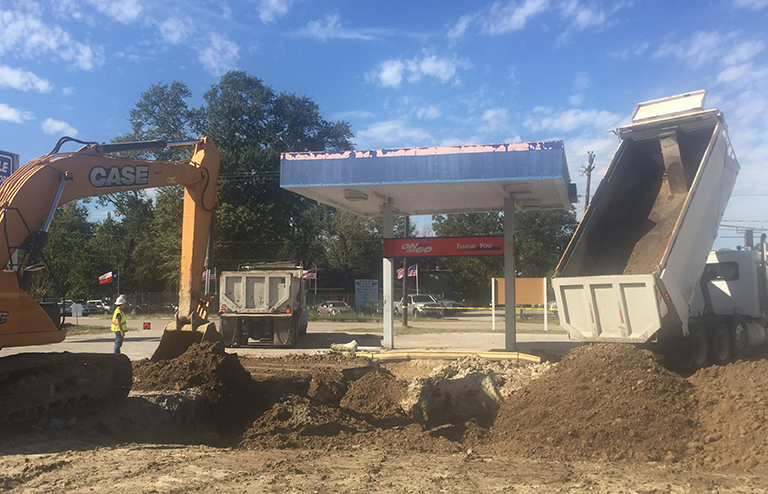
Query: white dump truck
[[265, 302], [639, 269]]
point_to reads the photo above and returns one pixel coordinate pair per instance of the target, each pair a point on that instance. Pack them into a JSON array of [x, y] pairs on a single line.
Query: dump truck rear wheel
[[721, 345], [739, 337], [699, 348], [230, 332]]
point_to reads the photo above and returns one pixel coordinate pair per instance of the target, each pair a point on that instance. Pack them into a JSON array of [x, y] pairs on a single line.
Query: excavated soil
[[733, 414], [430, 425], [602, 401]]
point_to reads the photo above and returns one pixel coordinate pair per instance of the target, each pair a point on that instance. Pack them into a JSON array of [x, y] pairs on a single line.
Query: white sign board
[[366, 290], [77, 310]]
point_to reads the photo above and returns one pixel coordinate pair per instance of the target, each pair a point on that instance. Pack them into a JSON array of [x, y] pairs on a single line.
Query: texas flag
[[108, 277]]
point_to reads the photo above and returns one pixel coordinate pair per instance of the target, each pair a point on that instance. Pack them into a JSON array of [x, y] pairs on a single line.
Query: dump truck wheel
[[229, 332], [739, 337], [721, 345], [699, 348]]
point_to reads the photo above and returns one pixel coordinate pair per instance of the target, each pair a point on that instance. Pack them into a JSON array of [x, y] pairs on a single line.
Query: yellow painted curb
[[443, 354]]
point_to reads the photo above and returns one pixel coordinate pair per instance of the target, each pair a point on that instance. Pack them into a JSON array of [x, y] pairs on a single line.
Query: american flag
[[309, 274], [412, 272]]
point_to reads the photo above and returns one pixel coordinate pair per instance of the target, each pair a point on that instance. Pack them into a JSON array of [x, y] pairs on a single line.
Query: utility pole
[[587, 170]]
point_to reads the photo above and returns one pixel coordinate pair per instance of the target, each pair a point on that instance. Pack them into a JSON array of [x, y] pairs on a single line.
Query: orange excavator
[[28, 201]]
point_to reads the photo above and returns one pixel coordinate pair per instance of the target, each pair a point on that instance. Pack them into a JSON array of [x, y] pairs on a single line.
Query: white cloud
[[392, 133], [580, 85], [570, 120], [8, 114], [68, 91], [513, 16], [751, 4], [458, 30], [331, 28], [635, 50], [582, 16], [57, 127], [23, 80], [440, 68], [352, 114], [742, 75], [220, 55], [702, 48], [392, 72], [494, 120], [270, 10], [175, 30], [122, 11], [429, 112], [744, 52], [27, 36]]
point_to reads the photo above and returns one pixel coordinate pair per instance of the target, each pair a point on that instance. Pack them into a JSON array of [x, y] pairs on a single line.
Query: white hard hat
[[121, 300]]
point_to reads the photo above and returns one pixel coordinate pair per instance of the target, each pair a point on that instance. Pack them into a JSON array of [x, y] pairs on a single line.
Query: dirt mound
[[733, 414], [298, 422], [602, 401], [205, 366], [377, 396]]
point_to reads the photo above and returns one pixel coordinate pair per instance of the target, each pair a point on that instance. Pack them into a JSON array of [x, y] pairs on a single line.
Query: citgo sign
[[443, 246]]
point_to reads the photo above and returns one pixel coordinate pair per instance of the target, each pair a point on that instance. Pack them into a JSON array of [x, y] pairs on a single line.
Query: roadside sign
[[443, 246], [9, 163], [366, 290]]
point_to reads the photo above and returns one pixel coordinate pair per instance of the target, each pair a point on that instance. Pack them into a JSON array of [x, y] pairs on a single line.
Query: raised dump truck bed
[[632, 267]]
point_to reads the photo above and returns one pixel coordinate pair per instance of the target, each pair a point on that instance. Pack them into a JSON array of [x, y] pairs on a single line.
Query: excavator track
[[31, 383]]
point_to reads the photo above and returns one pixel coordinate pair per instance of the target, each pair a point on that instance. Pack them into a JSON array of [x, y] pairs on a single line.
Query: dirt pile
[[220, 376], [378, 397], [601, 401], [733, 415]]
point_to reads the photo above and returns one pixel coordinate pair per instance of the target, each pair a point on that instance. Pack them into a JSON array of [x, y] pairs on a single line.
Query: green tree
[[67, 254], [540, 238], [252, 124]]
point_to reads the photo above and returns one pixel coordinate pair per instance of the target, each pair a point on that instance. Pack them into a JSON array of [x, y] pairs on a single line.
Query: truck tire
[[699, 345], [230, 334], [739, 337], [721, 345]]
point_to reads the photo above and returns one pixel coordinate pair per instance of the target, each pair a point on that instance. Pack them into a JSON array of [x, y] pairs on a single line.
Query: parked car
[[423, 304], [452, 306], [372, 307], [333, 307], [100, 307]]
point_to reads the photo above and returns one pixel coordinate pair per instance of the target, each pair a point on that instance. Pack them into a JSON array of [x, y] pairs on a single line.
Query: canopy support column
[[510, 328], [388, 291]]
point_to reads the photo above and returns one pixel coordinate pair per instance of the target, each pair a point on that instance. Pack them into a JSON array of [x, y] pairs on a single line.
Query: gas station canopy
[[434, 180]]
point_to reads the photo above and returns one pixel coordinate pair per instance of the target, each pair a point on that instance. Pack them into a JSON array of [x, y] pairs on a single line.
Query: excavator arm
[[30, 196]]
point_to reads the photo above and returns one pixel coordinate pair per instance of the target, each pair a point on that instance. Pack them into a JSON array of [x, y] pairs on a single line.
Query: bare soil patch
[[606, 418]]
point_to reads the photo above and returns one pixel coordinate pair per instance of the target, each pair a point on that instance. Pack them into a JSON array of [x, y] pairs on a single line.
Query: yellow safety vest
[[117, 326]]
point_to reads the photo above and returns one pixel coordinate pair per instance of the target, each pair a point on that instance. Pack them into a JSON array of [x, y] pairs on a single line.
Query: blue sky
[[402, 73]]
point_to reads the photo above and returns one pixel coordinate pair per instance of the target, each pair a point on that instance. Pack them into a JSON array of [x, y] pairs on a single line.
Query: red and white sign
[[443, 246]]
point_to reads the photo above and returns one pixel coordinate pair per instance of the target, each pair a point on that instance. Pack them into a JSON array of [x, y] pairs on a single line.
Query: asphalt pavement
[[140, 343]]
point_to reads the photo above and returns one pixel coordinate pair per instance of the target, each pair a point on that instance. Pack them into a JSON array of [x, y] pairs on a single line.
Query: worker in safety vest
[[119, 324]]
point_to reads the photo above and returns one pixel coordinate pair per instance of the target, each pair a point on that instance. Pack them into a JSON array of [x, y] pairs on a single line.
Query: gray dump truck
[[639, 269], [264, 302]]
